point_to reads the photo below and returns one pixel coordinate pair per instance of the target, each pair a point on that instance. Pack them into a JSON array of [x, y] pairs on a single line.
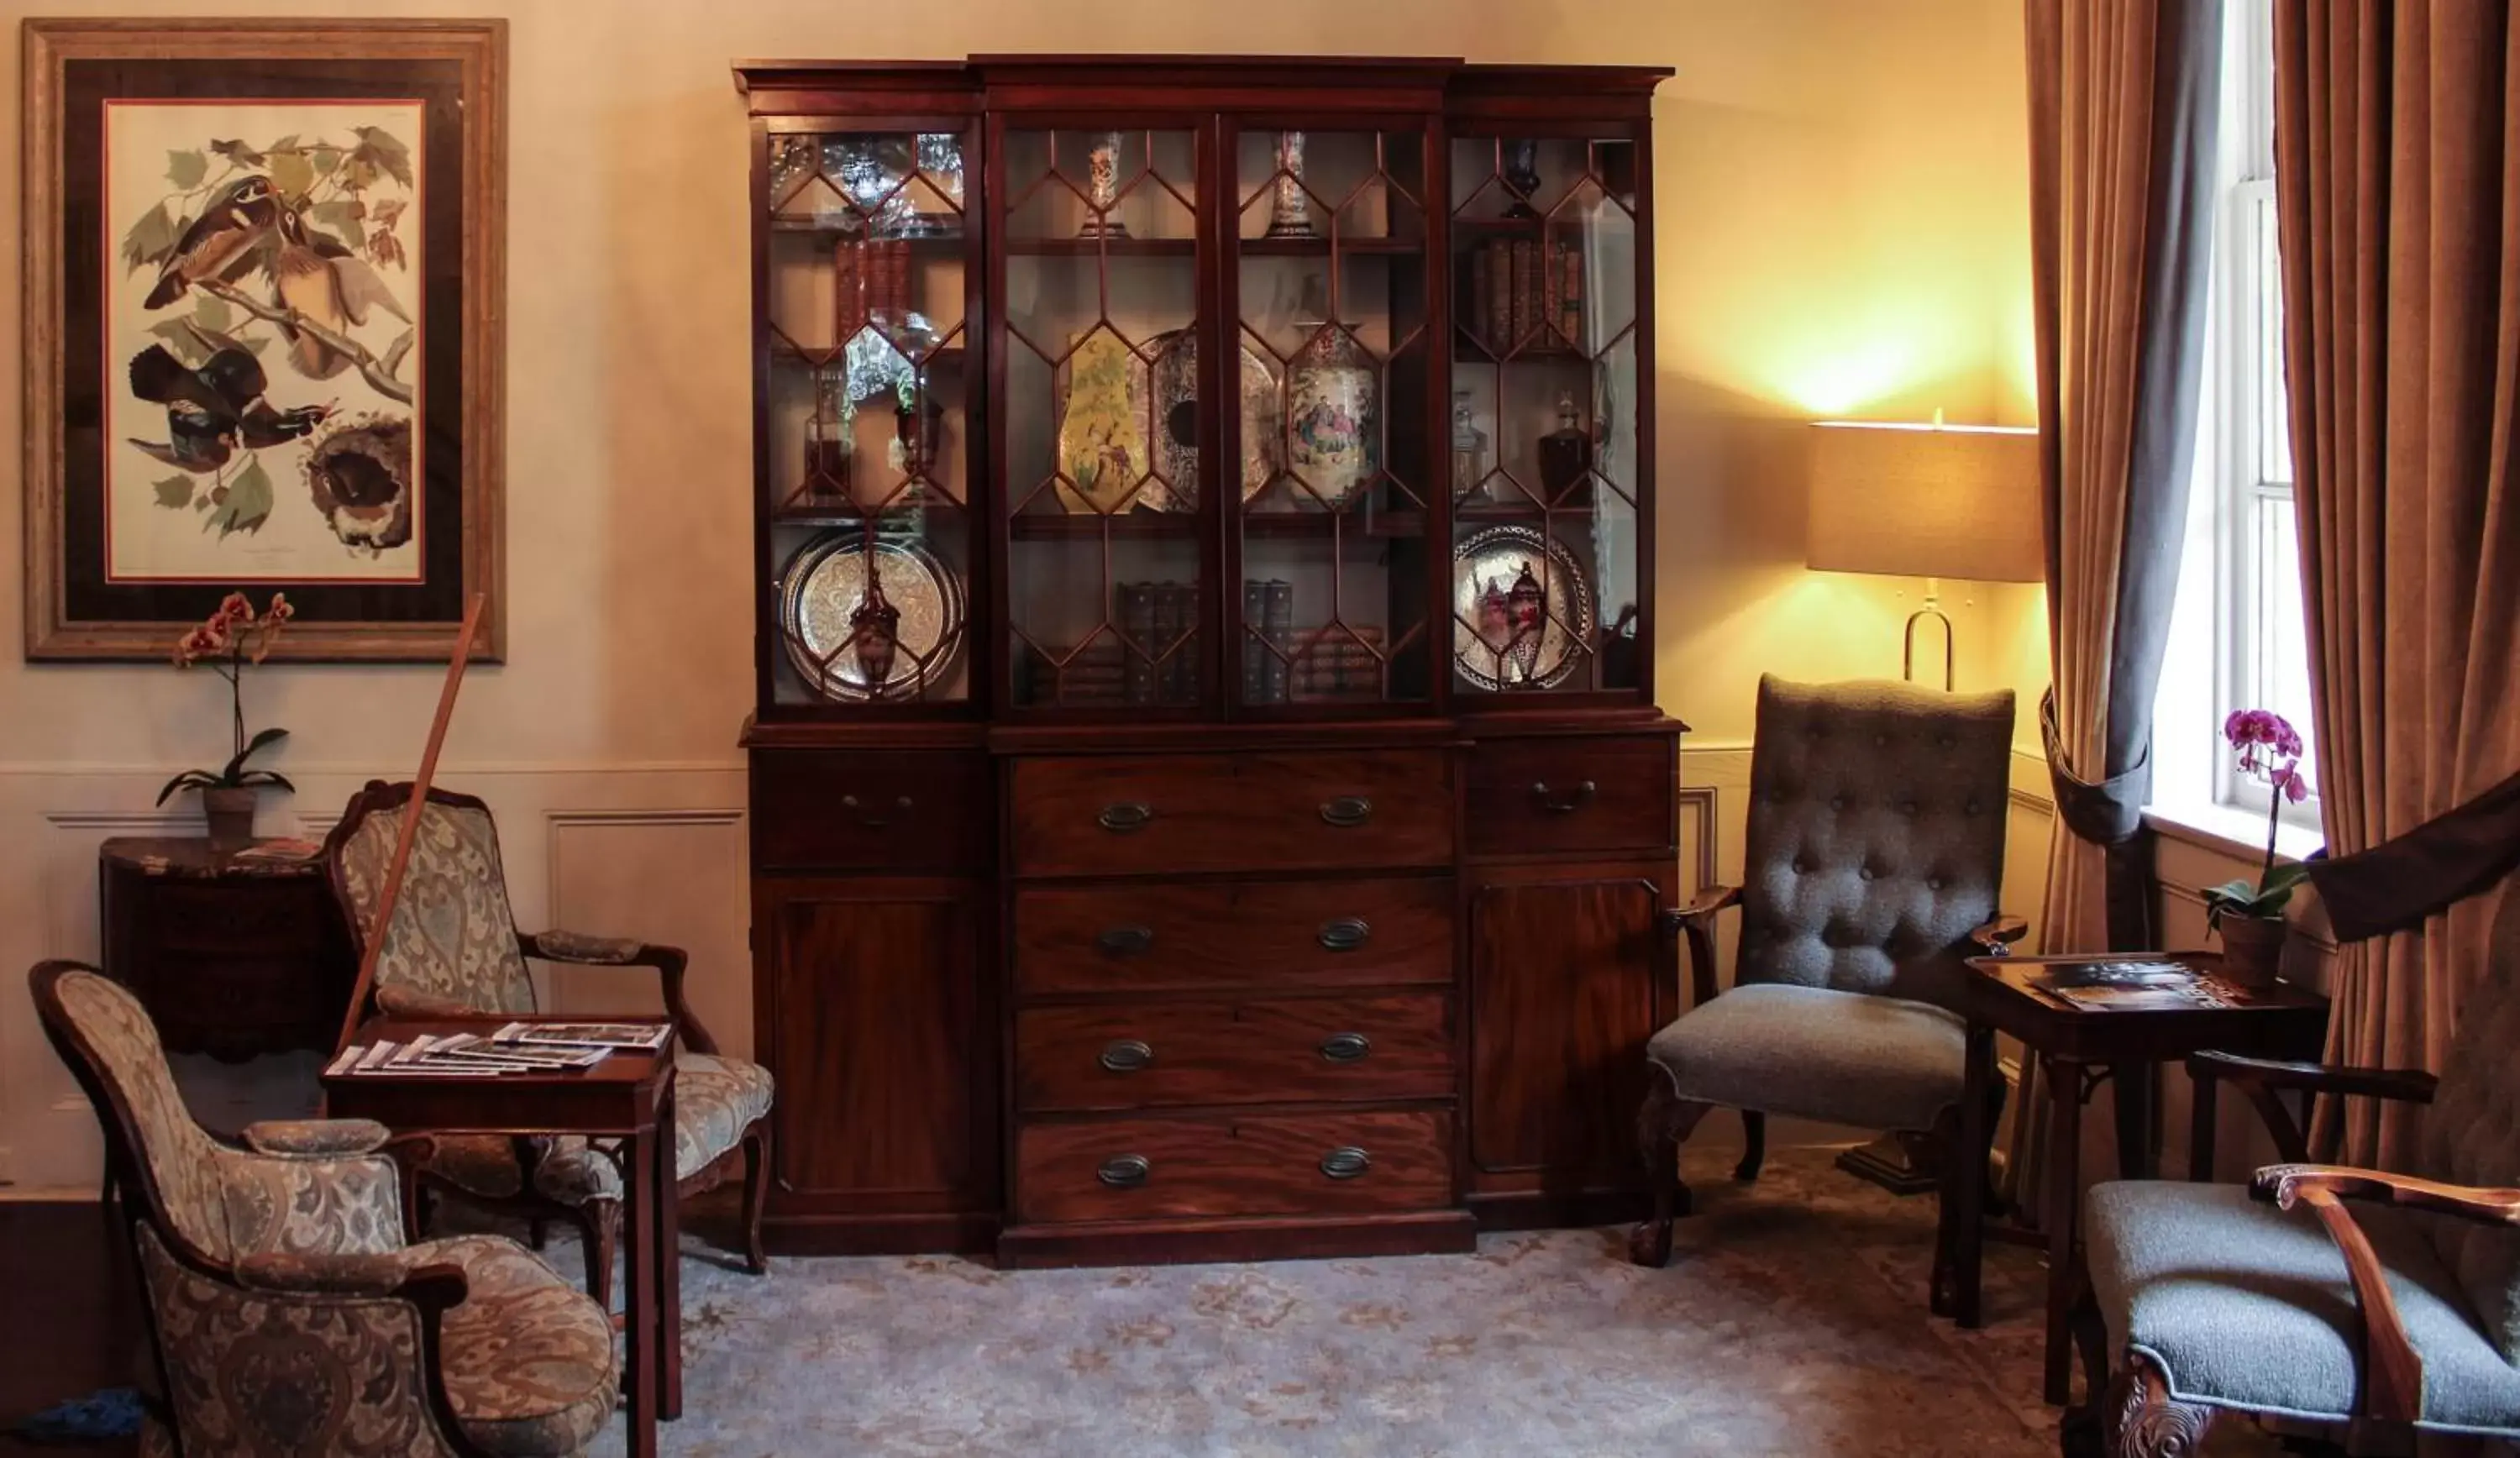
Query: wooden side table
[[232, 956], [628, 1097], [2005, 995]]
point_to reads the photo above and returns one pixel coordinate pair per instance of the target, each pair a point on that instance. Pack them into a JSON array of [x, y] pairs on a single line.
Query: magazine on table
[[633, 1036], [459, 1055], [2131, 985]]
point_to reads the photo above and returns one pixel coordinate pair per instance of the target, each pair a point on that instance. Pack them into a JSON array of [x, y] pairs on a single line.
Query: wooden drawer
[[1242, 1051], [1159, 815], [1154, 936], [1571, 794], [1156, 1169], [257, 923], [890, 809]]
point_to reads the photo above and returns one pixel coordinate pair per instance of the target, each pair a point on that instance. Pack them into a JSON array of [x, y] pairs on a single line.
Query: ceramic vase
[[2253, 948], [1287, 215], [229, 809], [1332, 406]]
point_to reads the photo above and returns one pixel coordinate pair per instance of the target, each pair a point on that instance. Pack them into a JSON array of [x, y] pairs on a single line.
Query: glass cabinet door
[[1334, 479], [1100, 461], [865, 280], [1545, 477]]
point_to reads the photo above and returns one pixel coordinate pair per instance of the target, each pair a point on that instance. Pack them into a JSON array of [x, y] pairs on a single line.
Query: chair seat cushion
[[529, 1359], [715, 1099], [1883, 1063], [2245, 1306]]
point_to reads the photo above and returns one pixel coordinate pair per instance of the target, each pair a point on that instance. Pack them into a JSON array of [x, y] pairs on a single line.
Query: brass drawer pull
[[1348, 1163], [1344, 933], [1347, 812], [874, 819], [1126, 940], [1125, 816], [1126, 1171], [1561, 804], [1347, 1047], [1126, 1056]]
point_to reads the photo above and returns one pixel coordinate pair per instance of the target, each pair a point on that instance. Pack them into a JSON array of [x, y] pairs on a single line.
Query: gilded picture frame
[[264, 268]]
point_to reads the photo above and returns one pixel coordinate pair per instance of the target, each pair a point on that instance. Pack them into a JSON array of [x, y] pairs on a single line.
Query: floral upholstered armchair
[[1869, 873], [287, 1313], [454, 948]]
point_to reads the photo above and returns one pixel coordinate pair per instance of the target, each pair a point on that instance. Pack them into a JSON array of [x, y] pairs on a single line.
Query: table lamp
[[1930, 501]]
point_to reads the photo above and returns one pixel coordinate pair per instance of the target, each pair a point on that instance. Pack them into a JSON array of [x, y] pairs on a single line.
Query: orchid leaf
[[236, 766]]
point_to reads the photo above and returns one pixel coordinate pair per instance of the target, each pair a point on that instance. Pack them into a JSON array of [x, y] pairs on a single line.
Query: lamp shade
[[1925, 501]]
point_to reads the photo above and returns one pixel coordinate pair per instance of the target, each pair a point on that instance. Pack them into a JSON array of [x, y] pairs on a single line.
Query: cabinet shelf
[[1088, 247], [1044, 526], [785, 223], [951, 357], [1320, 248]]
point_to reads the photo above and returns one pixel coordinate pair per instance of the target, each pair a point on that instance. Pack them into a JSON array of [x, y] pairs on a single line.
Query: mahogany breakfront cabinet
[[1207, 796]]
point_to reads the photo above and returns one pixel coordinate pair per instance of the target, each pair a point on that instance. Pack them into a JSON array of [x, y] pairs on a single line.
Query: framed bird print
[[263, 268]]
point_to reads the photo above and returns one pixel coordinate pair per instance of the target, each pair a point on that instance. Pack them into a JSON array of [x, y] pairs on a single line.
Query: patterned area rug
[[1790, 1321]]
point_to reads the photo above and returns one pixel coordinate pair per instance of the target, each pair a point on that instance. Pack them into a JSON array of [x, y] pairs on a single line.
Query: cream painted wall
[[1841, 194]]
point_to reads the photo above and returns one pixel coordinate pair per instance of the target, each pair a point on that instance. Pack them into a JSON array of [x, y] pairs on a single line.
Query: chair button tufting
[[1837, 802], [1933, 883], [1880, 741], [1971, 807], [1945, 741], [1865, 873], [1907, 807]]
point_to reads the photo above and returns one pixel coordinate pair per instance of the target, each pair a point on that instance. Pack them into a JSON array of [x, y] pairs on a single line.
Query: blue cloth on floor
[[109, 1412]]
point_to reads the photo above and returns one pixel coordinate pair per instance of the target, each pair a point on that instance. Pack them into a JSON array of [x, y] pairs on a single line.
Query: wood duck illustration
[[213, 410], [219, 240], [329, 287]]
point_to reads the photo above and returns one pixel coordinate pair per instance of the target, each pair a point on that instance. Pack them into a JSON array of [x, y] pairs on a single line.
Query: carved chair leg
[[1754, 1134], [538, 1232], [2146, 1422], [599, 1223], [1665, 1120], [756, 1193]]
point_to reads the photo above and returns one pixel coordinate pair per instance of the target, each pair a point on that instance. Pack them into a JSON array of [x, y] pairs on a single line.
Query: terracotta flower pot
[[230, 811], [2253, 948]]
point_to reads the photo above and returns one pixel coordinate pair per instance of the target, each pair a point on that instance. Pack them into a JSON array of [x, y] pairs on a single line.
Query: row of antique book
[[1159, 619], [1526, 293], [873, 283]]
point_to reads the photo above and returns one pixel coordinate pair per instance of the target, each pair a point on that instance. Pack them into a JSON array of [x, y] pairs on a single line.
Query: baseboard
[[969, 1234], [1170, 1243], [1543, 1209]]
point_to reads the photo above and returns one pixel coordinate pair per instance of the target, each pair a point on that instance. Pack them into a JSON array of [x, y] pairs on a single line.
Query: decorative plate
[[1176, 385], [1103, 418], [1522, 610], [852, 645]]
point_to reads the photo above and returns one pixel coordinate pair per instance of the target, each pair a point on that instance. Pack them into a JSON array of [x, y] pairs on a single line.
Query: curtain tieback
[[2105, 811], [2399, 882]]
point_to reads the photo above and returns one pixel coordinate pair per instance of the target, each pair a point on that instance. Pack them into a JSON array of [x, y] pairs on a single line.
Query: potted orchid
[[231, 638], [2251, 918]]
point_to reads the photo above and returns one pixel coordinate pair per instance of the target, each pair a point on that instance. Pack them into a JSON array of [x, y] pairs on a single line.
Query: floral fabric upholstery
[[715, 1099], [453, 935], [291, 1341], [571, 1170], [528, 1362], [182, 1160]]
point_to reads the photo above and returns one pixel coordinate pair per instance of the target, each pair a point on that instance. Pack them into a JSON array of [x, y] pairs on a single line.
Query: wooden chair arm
[[2410, 1084], [2259, 1080], [2285, 1183], [577, 950], [1995, 938], [1696, 924], [2393, 1374]]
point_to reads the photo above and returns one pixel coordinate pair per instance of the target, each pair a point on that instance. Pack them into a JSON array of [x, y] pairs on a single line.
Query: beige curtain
[[2398, 193], [2124, 101]]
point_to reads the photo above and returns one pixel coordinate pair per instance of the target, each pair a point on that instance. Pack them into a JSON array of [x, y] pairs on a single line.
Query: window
[[2239, 636]]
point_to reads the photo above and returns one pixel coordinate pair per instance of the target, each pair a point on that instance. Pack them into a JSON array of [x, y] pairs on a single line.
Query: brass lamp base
[[1902, 1164], [1933, 610]]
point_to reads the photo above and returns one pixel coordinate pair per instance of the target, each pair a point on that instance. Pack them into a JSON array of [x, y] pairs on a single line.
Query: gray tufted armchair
[[1873, 857], [2402, 1312]]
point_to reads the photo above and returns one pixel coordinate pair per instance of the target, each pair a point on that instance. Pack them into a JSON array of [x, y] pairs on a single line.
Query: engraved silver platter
[[1502, 639], [823, 589]]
